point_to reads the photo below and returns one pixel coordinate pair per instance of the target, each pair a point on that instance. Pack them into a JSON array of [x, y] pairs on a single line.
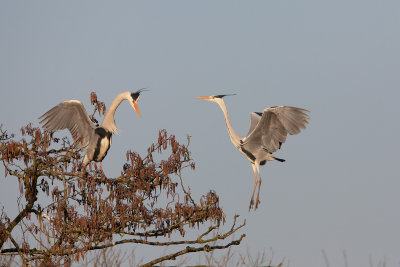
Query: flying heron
[[268, 131], [94, 140]]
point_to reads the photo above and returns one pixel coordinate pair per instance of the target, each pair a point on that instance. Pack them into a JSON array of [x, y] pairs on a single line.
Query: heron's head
[[213, 98], [134, 98]]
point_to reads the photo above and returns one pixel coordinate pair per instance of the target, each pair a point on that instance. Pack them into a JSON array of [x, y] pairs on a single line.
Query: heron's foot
[[257, 202], [251, 204], [100, 170]]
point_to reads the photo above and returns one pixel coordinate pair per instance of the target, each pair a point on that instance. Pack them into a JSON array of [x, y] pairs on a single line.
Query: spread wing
[[274, 125], [70, 115], [254, 119]]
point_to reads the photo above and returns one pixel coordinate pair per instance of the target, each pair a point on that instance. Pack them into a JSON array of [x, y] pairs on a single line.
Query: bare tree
[[63, 212]]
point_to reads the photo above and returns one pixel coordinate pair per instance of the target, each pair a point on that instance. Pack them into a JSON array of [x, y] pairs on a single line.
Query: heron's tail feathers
[[278, 159]]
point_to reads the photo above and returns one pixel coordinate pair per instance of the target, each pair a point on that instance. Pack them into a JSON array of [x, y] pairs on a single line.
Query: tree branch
[[188, 249]]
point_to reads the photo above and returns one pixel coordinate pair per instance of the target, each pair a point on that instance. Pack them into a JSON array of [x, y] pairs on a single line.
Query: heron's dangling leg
[[255, 185], [259, 185]]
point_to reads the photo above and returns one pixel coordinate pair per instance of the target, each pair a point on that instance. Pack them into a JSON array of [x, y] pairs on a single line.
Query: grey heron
[[267, 132], [94, 140]]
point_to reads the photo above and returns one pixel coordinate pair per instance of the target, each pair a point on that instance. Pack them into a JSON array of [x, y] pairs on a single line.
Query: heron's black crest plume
[[221, 96], [136, 94]]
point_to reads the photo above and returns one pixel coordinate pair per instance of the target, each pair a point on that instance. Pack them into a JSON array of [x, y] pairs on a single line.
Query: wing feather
[[70, 115], [274, 125], [254, 119]]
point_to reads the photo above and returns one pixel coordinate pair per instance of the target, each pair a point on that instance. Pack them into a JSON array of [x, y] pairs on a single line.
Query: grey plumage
[[267, 132], [270, 130], [70, 115], [94, 140]]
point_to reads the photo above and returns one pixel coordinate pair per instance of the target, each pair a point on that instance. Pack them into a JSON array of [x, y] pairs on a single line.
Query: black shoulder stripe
[[102, 132], [248, 154]]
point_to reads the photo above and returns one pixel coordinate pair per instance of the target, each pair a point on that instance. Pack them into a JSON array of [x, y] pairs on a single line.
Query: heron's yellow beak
[[204, 97], [136, 108]]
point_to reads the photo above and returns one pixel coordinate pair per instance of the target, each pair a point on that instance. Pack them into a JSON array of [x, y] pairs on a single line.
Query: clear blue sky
[[338, 189]]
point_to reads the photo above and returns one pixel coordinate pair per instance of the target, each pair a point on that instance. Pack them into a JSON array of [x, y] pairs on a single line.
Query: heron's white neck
[[232, 133], [108, 121]]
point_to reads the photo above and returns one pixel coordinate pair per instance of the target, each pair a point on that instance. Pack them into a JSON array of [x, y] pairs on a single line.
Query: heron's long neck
[[108, 121], [232, 133]]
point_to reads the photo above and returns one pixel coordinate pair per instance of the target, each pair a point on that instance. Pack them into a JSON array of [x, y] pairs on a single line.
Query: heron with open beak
[[267, 132]]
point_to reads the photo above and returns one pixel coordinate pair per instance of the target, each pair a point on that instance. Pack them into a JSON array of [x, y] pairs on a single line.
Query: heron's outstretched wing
[[70, 115], [274, 125], [254, 119]]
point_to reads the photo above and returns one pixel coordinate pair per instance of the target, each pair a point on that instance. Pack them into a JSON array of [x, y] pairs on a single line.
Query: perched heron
[[268, 131], [94, 140]]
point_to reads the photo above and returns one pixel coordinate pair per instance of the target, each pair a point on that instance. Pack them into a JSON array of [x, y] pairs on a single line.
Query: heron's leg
[[259, 185], [255, 185], [83, 164]]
